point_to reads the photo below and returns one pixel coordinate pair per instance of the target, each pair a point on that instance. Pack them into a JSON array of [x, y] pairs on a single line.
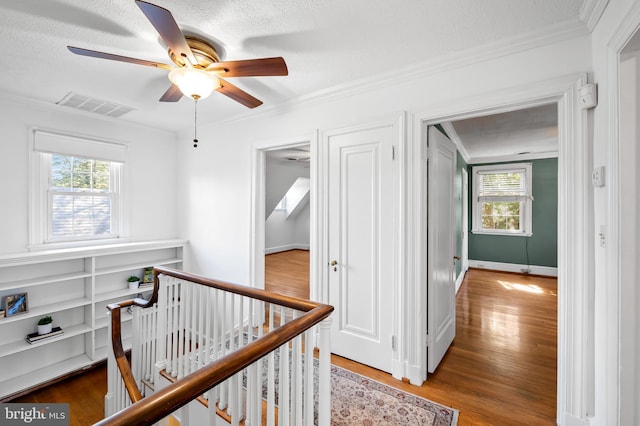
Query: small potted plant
[[134, 282], [44, 325]]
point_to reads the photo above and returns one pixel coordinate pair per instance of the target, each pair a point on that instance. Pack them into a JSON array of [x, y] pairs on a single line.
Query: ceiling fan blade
[[173, 94], [250, 67], [111, 56], [238, 94], [163, 22]]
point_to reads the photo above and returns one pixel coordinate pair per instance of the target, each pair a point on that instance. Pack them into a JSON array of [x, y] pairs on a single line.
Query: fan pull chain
[[195, 124]]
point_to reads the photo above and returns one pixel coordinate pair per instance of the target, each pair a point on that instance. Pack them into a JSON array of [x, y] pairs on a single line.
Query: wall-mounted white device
[[589, 96], [597, 177]]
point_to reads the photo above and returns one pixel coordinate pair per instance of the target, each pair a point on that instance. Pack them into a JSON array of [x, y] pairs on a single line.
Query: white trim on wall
[[575, 247], [459, 280], [514, 267]]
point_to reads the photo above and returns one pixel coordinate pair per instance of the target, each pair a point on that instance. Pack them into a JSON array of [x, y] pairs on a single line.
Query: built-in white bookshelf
[[74, 286]]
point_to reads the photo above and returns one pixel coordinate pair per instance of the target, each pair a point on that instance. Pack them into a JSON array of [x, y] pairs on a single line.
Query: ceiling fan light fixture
[[193, 82]]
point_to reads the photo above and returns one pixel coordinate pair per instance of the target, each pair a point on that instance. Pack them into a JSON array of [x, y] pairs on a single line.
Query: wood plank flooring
[[500, 370], [84, 392]]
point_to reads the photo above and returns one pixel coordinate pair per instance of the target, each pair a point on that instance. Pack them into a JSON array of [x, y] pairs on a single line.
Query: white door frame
[[575, 245], [258, 193], [616, 359]]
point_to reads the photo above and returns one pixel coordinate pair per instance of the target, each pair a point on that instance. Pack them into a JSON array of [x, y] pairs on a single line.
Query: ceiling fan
[[199, 70]]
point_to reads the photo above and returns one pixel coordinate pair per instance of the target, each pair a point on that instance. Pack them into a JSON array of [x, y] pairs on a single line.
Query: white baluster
[[324, 373], [283, 390], [308, 377]]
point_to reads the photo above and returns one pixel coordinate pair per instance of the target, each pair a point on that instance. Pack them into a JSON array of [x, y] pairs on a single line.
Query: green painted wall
[[543, 244]]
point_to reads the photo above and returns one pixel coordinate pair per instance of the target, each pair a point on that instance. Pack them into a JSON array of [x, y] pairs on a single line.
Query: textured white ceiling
[[526, 131], [325, 44]]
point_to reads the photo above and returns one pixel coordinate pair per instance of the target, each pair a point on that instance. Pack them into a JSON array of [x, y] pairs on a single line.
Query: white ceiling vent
[[97, 106]]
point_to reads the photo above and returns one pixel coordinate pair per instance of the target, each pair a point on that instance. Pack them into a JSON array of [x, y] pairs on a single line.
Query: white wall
[[150, 169], [282, 233], [629, 160], [219, 234], [218, 225]]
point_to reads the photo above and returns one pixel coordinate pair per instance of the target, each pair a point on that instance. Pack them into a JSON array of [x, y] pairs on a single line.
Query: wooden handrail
[[153, 408]]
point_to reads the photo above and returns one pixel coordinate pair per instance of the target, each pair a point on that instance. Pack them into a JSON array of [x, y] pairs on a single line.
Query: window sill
[[76, 244], [504, 234]]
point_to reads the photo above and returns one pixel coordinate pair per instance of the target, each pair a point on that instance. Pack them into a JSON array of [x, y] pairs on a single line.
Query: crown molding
[[591, 12], [555, 33]]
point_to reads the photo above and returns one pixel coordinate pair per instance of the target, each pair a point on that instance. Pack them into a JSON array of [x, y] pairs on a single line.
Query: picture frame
[[16, 304], [147, 278]]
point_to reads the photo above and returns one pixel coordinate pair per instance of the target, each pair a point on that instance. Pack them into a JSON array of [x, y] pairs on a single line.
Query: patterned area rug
[[358, 400]]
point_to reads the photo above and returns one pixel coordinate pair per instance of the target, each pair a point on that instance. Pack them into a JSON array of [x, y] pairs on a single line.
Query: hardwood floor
[[84, 392], [500, 370], [287, 273]]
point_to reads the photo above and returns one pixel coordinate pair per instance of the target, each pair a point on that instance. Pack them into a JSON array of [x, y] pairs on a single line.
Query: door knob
[[456, 257], [334, 263]]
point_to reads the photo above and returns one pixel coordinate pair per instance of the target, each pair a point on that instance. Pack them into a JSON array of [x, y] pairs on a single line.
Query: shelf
[[43, 280], [140, 265], [124, 293], [103, 322], [75, 277], [23, 345], [47, 309]]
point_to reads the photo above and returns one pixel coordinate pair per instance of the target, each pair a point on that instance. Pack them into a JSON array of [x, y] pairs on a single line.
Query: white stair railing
[[198, 324]]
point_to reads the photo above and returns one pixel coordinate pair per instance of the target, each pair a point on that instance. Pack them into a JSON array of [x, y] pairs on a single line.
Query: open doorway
[[575, 266], [510, 162], [287, 221]]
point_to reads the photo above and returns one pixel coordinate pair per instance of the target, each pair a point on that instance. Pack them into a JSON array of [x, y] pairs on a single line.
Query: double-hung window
[[502, 199], [76, 190]]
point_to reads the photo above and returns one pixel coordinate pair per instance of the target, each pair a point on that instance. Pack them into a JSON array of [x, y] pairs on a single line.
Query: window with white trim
[[502, 199], [76, 192]]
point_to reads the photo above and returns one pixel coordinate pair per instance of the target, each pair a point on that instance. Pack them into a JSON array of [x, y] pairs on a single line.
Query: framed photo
[[16, 304], [148, 276]]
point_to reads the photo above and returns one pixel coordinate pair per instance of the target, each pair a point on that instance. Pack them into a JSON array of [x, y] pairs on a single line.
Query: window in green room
[[502, 199]]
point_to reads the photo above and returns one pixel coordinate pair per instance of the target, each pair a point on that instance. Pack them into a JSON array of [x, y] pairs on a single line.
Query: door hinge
[[393, 343], [428, 340], [393, 152]]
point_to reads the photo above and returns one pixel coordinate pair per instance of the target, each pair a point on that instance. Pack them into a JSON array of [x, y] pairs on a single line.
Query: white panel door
[[441, 247], [361, 253]]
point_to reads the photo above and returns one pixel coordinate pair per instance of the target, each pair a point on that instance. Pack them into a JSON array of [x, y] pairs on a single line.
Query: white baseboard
[[459, 280], [286, 247], [570, 420], [513, 267]]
